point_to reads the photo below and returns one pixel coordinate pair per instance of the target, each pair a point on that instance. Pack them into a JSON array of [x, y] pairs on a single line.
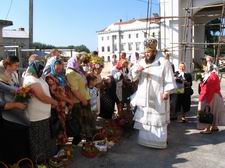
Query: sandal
[[183, 120], [214, 130], [206, 132]]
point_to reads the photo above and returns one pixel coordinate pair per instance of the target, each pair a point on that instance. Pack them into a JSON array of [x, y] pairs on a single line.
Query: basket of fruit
[[101, 134], [89, 150], [56, 162]]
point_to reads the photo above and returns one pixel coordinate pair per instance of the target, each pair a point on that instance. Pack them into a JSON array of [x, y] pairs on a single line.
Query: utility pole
[[30, 23]]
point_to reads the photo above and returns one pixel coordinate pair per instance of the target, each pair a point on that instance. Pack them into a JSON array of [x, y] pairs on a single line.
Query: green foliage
[[71, 47], [209, 51], [199, 77], [211, 29], [38, 45], [82, 48]]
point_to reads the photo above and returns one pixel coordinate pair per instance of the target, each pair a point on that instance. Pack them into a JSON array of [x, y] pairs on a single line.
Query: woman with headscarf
[[13, 121], [54, 54], [210, 95], [59, 92], [39, 111], [81, 110]]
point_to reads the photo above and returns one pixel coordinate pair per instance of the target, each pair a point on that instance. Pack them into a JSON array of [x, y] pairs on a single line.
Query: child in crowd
[[93, 91]]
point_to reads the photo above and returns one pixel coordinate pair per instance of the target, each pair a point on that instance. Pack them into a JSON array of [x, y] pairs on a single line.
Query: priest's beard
[[149, 59]]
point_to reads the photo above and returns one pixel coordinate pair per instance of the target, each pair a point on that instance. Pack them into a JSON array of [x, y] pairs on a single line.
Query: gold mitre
[[150, 45]]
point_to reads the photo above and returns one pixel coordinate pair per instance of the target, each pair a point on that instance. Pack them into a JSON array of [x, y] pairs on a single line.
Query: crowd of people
[[67, 97]]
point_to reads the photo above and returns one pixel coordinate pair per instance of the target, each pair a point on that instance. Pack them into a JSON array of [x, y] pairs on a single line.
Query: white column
[[169, 28], [199, 32]]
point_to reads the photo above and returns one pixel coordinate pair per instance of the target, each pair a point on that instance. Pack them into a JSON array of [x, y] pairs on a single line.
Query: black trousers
[[183, 103], [14, 142]]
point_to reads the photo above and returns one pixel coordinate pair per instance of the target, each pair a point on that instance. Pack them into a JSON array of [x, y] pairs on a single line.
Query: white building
[[128, 37], [15, 37]]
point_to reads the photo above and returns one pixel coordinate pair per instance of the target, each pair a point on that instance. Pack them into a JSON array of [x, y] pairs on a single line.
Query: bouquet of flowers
[[96, 61], [23, 94], [199, 77], [86, 58]]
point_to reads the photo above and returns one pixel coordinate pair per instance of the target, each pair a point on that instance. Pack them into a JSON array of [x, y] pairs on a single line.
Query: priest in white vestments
[[156, 80]]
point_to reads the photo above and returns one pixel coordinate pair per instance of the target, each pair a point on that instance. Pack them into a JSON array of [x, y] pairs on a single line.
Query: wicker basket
[[28, 162], [87, 152], [3, 165]]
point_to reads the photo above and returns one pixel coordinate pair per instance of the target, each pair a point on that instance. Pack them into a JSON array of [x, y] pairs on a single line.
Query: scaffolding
[[187, 30], [221, 34], [186, 42], [186, 45]]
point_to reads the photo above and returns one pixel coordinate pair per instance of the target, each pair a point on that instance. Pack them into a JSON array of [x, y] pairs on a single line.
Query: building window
[[130, 46], [153, 34], [145, 34], [107, 37], [129, 35], [114, 37], [138, 44], [108, 49], [102, 38], [114, 47], [121, 36], [137, 35], [103, 49], [123, 46], [129, 58]]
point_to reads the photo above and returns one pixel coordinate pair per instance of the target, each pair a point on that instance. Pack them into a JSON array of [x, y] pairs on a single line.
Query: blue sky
[[72, 22]]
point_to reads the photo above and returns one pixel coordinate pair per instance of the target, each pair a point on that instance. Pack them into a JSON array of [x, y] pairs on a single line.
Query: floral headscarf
[[36, 68], [59, 76]]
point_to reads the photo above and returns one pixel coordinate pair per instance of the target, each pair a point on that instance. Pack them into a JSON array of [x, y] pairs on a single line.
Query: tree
[[71, 47], [212, 30], [38, 45], [82, 48]]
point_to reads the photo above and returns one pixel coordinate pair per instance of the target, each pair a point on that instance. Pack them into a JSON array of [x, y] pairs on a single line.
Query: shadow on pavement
[[187, 149]]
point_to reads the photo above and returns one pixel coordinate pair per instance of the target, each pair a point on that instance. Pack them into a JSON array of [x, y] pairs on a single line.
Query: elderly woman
[[183, 101], [39, 111], [210, 95], [60, 92], [81, 109], [54, 54], [14, 124]]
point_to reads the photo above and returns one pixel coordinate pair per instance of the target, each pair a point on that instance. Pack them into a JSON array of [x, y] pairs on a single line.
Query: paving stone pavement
[[187, 148]]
